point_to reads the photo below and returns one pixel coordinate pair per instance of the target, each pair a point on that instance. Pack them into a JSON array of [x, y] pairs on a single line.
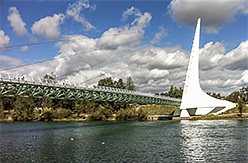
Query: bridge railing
[[65, 84]]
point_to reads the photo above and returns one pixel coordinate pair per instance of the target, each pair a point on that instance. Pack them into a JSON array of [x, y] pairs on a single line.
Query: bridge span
[[25, 86]]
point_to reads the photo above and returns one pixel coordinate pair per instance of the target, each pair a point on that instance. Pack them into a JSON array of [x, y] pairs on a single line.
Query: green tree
[[46, 115], [109, 82], [244, 94], [50, 78], [174, 92], [8, 103], [101, 113], [119, 84], [106, 82], [1, 109], [24, 109], [240, 106], [234, 96], [242, 99], [130, 85]]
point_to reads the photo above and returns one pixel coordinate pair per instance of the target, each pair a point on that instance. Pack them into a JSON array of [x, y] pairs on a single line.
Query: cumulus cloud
[[237, 58], [161, 58], [85, 60], [131, 33], [244, 77], [4, 39], [86, 53], [74, 10], [16, 22], [141, 20], [6, 61], [116, 36], [221, 80], [24, 48], [160, 35], [214, 13], [155, 86], [211, 55], [48, 27], [89, 67], [222, 72], [130, 11]]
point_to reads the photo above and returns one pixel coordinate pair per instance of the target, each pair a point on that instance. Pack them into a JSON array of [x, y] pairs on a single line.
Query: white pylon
[[195, 101]]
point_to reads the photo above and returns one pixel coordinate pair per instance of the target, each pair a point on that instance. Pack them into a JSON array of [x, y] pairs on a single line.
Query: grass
[[221, 116], [158, 109]]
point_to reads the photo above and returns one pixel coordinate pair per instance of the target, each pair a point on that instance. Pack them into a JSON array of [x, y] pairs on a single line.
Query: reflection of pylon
[[195, 101]]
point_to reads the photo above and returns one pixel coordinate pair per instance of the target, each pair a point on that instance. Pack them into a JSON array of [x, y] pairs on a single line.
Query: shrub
[[61, 113], [131, 114], [46, 115], [101, 113]]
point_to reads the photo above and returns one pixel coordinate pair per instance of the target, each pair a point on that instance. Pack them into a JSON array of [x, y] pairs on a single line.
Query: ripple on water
[[170, 141]]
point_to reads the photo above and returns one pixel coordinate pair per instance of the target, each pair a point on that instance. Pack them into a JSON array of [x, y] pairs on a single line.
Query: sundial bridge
[[194, 101]]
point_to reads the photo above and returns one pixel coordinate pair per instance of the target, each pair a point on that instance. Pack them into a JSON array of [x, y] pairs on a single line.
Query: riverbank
[[101, 112], [232, 116], [106, 113]]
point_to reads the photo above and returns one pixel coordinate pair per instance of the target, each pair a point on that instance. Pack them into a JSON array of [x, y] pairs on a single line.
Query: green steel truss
[[22, 87]]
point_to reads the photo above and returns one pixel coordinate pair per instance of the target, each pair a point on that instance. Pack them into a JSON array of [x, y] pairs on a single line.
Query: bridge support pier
[[184, 113]]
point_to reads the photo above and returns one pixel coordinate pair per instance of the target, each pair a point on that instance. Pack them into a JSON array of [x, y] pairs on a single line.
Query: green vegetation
[[131, 114], [30, 109], [239, 112], [46, 115], [221, 116], [173, 92], [158, 109], [239, 97]]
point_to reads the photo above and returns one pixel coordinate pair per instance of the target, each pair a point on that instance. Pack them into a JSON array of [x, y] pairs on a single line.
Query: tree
[[242, 99], [50, 78], [24, 109], [179, 93], [174, 92], [233, 97], [1, 110], [130, 85], [244, 94], [106, 82], [109, 82], [8, 103], [119, 84], [241, 105]]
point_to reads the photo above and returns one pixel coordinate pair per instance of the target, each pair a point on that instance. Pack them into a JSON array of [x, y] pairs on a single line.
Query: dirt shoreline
[[233, 116]]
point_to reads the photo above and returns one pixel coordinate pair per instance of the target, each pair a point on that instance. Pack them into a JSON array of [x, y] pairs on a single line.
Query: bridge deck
[[25, 86]]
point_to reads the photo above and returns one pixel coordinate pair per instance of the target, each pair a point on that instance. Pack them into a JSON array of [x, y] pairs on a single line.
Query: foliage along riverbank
[[31, 109], [233, 116], [82, 111]]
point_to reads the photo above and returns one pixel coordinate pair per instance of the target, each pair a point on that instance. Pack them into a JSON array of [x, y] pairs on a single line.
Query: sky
[[84, 41]]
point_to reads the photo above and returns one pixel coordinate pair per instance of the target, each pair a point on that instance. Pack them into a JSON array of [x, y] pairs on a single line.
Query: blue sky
[[109, 14], [170, 20]]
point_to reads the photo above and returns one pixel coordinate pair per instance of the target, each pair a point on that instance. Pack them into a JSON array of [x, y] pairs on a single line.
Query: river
[[150, 141]]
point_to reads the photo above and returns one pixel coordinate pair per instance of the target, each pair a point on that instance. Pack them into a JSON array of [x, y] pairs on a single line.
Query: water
[[163, 141]]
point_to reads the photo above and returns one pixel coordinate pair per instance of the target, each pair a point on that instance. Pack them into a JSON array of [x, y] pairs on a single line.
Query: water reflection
[[213, 141], [167, 141]]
